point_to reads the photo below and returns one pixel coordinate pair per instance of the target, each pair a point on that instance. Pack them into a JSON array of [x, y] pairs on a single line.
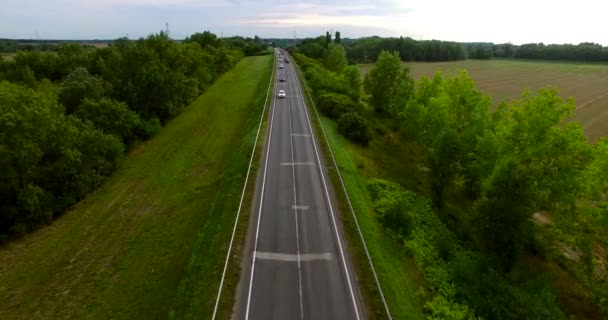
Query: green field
[[7, 55], [507, 79], [123, 251]]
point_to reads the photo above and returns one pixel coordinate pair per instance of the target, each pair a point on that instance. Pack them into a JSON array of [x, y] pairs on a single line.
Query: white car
[[281, 94], [281, 66]]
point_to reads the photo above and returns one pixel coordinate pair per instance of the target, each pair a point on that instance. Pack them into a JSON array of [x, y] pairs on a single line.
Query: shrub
[[333, 105], [354, 127]]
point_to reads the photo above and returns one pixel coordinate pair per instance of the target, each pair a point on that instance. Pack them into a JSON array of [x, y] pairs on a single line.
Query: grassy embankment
[[167, 212], [399, 277], [506, 79]]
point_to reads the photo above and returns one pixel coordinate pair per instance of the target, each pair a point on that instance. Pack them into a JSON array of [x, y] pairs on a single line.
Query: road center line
[[297, 163], [296, 207], [286, 257]]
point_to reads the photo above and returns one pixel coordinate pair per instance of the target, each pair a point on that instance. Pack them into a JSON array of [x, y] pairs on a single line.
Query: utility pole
[[167, 29]]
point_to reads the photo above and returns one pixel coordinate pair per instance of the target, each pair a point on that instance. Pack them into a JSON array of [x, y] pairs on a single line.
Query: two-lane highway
[[297, 266]]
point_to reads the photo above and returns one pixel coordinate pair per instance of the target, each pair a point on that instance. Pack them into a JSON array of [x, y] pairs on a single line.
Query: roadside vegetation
[[502, 211], [67, 117], [153, 237], [505, 79]]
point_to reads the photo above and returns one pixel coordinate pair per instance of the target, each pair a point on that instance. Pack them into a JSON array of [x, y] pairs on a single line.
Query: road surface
[[297, 266]]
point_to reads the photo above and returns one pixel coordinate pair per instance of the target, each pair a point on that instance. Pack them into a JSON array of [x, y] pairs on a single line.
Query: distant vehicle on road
[[281, 66], [286, 61], [281, 94], [282, 79]]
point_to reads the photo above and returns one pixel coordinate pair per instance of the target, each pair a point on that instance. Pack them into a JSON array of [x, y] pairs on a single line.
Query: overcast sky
[[516, 21]]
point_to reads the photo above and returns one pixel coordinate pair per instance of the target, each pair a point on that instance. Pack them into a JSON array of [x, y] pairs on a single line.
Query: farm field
[[506, 79], [165, 215], [7, 55]]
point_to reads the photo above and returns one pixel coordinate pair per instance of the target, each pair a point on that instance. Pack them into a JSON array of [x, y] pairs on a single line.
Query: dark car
[[282, 79]]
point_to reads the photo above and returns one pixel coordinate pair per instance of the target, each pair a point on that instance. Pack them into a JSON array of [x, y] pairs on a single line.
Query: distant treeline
[[366, 50], [66, 117], [585, 51]]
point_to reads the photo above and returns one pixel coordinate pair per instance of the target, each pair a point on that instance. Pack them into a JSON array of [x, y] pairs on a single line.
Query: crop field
[[7, 55], [507, 79], [165, 215]]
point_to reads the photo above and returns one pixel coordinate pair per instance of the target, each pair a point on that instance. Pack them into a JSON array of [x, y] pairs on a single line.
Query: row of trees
[[522, 158], [586, 51], [526, 156], [66, 117], [366, 50]]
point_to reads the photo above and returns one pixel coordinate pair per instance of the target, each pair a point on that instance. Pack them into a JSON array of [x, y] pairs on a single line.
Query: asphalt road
[[297, 266]]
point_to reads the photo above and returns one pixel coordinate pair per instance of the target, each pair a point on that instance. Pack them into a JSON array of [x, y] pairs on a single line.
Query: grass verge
[[161, 219], [400, 279], [196, 295]]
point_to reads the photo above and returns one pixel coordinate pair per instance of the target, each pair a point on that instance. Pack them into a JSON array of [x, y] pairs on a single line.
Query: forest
[[67, 117], [506, 196]]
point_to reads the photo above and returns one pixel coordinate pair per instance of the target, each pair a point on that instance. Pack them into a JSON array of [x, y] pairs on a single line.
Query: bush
[[77, 86], [112, 117], [354, 127], [333, 105]]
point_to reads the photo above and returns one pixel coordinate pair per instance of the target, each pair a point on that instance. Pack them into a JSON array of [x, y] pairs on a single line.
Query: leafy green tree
[[337, 37], [354, 127], [327, 38], [335, 58], [382, 80], [77, 86], [112, 117], [502, 212], [204, 39], [353, 76], [334, 105], [444, 159]]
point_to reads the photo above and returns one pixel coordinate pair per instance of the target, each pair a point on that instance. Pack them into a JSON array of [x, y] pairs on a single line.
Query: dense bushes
[[57, 147], [354, 127], [464, 284], [333, 105], [337, 96], [50, 160]]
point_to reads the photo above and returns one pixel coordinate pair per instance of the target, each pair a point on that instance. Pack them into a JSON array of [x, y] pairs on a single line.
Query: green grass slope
[[122, 252]]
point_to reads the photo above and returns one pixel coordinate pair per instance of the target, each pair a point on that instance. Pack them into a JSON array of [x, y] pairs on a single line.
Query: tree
[[335, 58], [112, 117], [503, 211], [77, 86], [353, 76], [354, 127], [337, 38], [444, 157], [327, 38], [333, 105], [382, 80]]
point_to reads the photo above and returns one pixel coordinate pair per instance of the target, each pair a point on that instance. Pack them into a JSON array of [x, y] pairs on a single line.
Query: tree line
[[366, 50], [586, 51], [67, 117], [526, 156]]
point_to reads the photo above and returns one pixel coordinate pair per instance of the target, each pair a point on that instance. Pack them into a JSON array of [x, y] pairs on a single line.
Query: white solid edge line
[[236, 220], [352, 210], [333, 218], [257, 231]]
